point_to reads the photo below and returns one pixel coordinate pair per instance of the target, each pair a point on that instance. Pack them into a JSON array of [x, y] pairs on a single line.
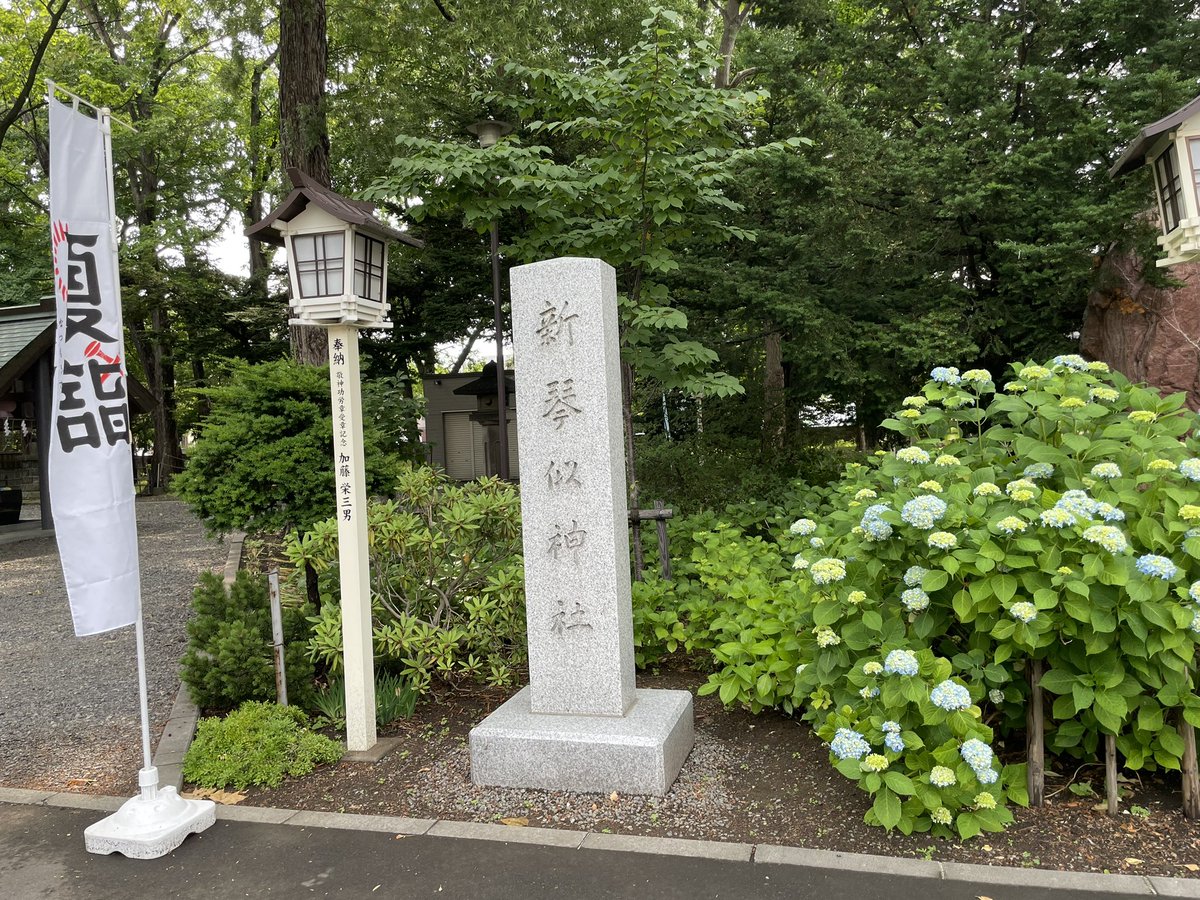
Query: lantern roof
[[306, 191], [1134, 155]]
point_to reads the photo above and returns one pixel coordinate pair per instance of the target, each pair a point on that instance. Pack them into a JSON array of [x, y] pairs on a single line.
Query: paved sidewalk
[[42, 856]]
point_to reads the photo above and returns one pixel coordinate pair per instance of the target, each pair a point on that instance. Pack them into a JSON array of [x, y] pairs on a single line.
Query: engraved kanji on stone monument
[[557, 323]]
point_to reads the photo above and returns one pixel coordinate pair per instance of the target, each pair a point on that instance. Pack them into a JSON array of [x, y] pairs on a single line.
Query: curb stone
[[1090, 883], [770, 854], [233, 561]]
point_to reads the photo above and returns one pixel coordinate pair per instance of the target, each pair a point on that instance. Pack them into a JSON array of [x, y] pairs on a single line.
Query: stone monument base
[[638, 753]]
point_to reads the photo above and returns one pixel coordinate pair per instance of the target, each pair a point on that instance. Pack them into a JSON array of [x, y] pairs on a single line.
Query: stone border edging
[[1090, 883]]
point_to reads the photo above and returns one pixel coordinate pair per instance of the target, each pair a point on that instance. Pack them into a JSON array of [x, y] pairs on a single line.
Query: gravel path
[[69, 706]]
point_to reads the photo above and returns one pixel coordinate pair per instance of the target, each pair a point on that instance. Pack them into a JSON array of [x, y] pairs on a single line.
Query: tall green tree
[[639, 153], [956, 201]]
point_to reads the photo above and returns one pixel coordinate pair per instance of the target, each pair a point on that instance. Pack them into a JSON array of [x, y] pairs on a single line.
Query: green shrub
[[714, 472], [394, 699], [446, 581], [264, 458], [1054, 521], [256, 744], [229, 658]]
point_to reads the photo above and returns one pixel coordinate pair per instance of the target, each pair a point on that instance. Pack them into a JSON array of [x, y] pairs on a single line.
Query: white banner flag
[[91, 464]]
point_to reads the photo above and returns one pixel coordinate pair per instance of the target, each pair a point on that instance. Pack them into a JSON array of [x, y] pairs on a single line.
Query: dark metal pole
[[501, 387]]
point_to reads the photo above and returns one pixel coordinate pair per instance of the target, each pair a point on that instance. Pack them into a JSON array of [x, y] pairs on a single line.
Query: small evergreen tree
[[229, 658]]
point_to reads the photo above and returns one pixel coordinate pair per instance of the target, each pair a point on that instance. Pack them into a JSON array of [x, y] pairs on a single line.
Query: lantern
[[337, 255]]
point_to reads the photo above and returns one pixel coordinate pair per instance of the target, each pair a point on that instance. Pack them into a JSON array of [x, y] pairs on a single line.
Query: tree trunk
[[1035, 738], [734, 14], [775, 418], [303, 63], [303, 129], [259, 170]]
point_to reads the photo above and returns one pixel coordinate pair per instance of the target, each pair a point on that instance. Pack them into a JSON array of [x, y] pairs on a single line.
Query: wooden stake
[[1191, 780], [1110, 772], [277, 644], [1035, 753], [664, 552]]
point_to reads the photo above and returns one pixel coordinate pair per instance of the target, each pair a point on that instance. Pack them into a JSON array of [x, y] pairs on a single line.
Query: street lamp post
[[488, 131], [337, 263]]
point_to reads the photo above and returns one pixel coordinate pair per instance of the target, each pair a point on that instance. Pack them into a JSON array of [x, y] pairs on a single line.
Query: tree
[[650, 152], [956, 201], [262, 462], [303, 124]]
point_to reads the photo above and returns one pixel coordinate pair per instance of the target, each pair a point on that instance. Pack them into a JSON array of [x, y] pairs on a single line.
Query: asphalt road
[[42, 856]]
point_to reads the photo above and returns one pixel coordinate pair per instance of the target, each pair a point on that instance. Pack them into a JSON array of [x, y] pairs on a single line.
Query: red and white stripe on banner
[[91, 465]]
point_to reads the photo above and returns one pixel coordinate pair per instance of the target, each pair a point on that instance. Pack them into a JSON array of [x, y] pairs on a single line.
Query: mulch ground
[[751, 778]]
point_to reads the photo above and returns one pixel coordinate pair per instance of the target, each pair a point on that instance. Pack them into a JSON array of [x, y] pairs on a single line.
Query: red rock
[[1146, 333]]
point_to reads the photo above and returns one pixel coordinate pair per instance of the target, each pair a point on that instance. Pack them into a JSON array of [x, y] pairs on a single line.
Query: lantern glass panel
[[320, 261], [368, 268]]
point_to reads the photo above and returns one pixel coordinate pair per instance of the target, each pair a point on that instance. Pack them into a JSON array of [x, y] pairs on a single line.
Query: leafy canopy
[[626, 160]]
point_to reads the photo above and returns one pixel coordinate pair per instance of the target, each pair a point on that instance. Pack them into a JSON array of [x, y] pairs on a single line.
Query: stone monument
[[580, 724]]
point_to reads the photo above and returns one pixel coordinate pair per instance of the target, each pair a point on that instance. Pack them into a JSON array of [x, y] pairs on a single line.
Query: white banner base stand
[[150, 825]]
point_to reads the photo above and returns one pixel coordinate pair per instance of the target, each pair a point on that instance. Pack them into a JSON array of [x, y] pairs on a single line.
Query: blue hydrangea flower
[[1190, 469], [915, 600], [942, 540], [1109, 513], [950, 696], [803, 527], [894, 742], [1157, 567], [1011, 524], [869, 693], [923, 512], [914, 455], [1038, 470], [901, 662], [1078, 503], [987, 776], [1056, 518], [827, 570], [945, 375], [942, 777], [873, 525], [816, 543], [1107, 536], [890, 727], [976, 754], [1194, 591], [977, 376], [1021, 484], [1196, 621], [914, 575], [1071, 361], [1023, 611], [1106, 470], [849, 744]]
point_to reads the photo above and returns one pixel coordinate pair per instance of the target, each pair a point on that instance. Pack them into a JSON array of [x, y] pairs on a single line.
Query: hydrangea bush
[[1053, 518]]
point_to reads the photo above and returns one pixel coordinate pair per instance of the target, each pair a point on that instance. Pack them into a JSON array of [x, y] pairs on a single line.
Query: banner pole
[[148, 776]]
